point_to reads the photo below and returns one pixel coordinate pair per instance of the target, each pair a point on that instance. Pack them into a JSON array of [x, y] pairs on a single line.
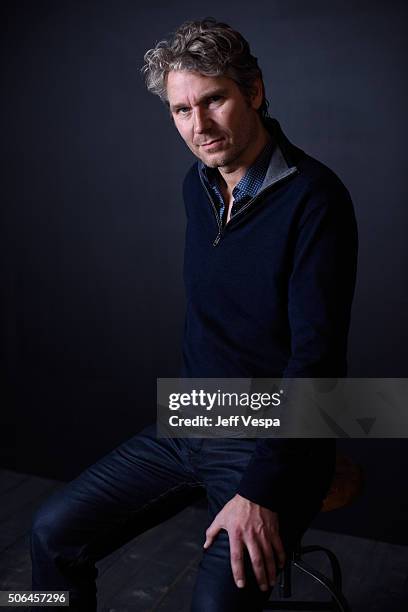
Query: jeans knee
[[46, 526]]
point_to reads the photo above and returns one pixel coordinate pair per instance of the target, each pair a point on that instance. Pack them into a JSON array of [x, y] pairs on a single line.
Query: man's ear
[[257, 93]]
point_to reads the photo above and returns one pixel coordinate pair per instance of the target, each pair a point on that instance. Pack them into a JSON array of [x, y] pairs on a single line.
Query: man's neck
[[231, 175]]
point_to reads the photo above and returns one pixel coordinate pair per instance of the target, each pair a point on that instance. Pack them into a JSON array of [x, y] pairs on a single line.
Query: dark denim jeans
[[139, 484]]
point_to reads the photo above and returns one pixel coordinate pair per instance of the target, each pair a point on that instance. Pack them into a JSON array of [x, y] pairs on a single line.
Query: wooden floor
[[156, 571]]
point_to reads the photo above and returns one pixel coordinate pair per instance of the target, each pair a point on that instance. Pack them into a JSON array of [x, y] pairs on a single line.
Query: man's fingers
[[237, 560], [258, 564], [279, 550], [269, 561], [210, 534]]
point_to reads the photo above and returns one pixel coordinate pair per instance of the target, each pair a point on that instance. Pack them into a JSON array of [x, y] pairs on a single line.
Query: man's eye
[[182, 111], [214, 98]]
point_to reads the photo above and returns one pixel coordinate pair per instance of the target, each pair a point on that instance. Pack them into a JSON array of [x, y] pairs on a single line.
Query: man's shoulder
[[312, 175], [317, 189], [191, 185], [317, 178], [322, 194], [192, 174]]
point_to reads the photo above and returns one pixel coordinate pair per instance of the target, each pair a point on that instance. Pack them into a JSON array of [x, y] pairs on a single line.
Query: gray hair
[[209, 47]]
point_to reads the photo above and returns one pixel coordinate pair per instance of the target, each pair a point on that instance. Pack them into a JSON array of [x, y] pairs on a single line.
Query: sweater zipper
[[218, 238], [245, 207]]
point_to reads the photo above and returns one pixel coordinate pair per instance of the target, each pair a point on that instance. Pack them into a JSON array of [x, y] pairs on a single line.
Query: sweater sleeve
[[320, 292]]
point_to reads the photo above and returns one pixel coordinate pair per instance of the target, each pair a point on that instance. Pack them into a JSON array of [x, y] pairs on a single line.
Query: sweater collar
[[283, 158]]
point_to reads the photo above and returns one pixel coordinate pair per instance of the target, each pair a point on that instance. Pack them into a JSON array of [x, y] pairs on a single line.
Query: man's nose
[[201, 120]]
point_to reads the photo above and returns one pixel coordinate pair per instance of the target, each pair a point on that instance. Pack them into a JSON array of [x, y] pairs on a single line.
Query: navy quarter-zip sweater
[[269, 296]]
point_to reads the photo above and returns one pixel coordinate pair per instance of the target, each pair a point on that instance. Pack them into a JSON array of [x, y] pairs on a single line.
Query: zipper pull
[[218, 238]]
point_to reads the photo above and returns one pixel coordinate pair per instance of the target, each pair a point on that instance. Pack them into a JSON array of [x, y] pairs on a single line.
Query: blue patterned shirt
[[245, 189]]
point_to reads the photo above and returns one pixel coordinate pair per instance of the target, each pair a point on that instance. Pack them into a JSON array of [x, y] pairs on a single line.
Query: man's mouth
[[210, 142]]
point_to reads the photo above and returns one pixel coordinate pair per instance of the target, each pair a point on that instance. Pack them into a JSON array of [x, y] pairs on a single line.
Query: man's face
[[213, 117]]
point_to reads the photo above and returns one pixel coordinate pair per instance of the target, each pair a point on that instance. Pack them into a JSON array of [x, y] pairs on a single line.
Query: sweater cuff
[[282, 472], [265, 486]]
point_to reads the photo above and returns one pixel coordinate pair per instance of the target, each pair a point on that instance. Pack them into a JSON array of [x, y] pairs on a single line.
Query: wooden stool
[[346, 486]]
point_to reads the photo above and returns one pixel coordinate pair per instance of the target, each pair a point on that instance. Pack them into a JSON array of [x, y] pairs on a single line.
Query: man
[[270, 263]]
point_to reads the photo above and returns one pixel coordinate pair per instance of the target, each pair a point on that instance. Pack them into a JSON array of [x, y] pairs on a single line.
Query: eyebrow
[[220, 91]]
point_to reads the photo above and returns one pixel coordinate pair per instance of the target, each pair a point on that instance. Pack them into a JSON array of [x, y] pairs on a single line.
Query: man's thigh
[[139, 484]]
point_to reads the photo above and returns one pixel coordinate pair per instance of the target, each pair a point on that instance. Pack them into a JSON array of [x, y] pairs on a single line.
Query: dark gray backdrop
[[92, 218]]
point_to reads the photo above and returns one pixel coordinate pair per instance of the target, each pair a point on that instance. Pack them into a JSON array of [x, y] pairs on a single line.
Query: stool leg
[[335, 565], [337, 595], [285, 580]]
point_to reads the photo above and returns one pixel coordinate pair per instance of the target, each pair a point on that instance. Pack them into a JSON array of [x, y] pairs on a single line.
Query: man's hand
[[256, 528]]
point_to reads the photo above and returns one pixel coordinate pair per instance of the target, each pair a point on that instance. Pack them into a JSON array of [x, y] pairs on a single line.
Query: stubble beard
[[227, 158], [224, 158]]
